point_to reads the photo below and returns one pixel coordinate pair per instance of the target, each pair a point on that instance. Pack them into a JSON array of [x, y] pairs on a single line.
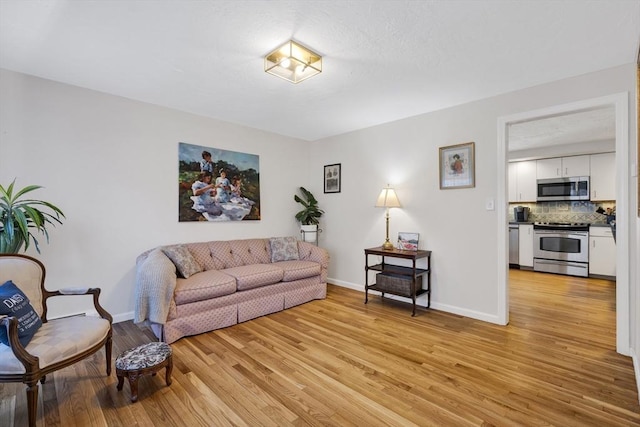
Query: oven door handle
[[563, 234], [571, 263]]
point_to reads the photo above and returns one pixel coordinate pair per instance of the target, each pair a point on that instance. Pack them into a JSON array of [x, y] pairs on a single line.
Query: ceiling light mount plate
[[293, 62]]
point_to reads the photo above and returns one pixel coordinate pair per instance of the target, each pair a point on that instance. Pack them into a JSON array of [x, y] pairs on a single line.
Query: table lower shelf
[[385, 290]]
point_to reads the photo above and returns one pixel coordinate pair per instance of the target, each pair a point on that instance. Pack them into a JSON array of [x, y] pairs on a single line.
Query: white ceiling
[[383, 60], [595, 125]]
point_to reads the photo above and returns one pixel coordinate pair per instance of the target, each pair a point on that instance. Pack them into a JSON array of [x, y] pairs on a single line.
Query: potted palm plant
[[20, 216], [309, 216]]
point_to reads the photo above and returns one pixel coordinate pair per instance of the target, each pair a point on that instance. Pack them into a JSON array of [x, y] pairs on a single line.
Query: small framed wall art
[[332, 178], [457, 166]]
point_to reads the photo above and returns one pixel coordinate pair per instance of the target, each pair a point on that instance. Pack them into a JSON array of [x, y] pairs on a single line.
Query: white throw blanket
[[155, 284]]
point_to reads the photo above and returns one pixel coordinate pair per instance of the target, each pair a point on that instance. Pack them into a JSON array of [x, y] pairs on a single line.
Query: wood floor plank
[[339, 362]]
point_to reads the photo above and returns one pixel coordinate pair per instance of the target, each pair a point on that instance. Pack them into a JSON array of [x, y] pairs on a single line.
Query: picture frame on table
[[408, 241], [332, 178], [457, 166]]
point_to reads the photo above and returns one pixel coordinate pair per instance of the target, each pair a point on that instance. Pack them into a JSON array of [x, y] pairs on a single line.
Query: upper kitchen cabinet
[[560, 167], [522, 181], [603, 176], [512, 180]]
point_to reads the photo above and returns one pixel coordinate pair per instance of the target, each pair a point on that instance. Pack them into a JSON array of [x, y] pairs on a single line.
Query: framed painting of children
[[457, 166]]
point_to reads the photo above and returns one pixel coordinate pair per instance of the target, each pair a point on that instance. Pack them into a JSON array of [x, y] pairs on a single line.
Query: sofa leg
[[32, 403]]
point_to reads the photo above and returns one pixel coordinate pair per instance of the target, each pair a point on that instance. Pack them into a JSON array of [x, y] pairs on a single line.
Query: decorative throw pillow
[[183, 260], [283, 249], [13, 302]]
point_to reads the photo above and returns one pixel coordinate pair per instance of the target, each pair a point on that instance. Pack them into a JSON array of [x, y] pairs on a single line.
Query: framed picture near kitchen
[[457, 166]]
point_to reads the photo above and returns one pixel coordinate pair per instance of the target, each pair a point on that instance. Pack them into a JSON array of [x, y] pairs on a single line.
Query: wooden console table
[[399, 273]]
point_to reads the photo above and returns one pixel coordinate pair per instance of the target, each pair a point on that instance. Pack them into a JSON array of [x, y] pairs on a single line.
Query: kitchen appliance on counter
[[563, 189], [521, 214], [561, 248], [610, 214]]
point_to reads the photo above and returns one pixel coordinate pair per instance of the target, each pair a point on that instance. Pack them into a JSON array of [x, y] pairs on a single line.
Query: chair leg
[[107, 350], [32, 403], [133, 385]]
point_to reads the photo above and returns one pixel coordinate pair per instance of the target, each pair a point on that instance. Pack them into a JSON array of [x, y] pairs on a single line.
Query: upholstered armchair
[[56, 344]]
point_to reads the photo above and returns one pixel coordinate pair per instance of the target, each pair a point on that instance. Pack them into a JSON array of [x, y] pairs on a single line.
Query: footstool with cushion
[[143, 360]]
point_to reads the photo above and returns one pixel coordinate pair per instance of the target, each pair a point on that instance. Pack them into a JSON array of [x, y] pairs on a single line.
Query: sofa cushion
[[202, 254], [236, 253], [256, 275], [296, 270], [183, 260], [251, 251], [283, 248], [202, 286]]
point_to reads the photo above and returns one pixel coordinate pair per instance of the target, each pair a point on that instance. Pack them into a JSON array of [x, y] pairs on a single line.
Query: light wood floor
[[342, 363]]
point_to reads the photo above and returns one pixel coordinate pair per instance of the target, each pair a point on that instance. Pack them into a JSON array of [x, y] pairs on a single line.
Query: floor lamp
[[388, 199]]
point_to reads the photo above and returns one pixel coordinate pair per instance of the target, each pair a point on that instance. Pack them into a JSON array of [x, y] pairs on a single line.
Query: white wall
[[454, 224], [111, 165]]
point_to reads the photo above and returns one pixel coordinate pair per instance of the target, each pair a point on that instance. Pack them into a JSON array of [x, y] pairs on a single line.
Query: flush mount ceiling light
[[293, 62]]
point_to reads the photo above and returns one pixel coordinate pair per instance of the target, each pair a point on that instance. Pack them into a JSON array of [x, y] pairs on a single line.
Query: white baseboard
[[636, 368], [422, 301], [123, 317], [117, 318]]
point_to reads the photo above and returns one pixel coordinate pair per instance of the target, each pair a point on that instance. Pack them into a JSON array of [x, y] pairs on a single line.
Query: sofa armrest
[[310, 252], [155, 283]]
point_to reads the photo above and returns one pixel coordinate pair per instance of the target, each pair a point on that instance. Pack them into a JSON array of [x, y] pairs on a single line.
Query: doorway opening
[[619, 103]]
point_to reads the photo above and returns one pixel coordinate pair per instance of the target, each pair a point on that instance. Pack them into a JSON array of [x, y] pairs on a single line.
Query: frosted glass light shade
[[293, 62]]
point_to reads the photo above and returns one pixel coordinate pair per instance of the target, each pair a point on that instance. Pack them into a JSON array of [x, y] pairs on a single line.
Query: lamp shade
[[388, 199], [293, 62]]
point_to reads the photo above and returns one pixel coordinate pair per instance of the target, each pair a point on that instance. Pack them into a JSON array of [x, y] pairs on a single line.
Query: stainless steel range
[[561, 248]]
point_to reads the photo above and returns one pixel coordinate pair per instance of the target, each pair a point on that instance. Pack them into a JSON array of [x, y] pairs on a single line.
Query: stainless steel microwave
[[558, 189]]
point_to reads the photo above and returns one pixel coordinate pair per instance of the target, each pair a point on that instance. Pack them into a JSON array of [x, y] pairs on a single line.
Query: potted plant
[[18, 217], [309, 216]]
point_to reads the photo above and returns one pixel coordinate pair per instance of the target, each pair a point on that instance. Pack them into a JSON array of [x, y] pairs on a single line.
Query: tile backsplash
[[576, 211]]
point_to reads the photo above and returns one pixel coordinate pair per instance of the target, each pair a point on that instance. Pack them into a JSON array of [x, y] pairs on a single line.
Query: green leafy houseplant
[[18, 217], [311, 213]]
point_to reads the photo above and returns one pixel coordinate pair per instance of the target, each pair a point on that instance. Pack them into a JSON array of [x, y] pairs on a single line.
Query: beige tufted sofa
[[239, 280]]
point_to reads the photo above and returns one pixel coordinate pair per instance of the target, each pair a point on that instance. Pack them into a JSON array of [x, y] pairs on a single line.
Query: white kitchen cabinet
[[525, 245], [602, 252], [549, 168], [576, 166], [603, 176], [522, 181], [512, 181], [559, 167]]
